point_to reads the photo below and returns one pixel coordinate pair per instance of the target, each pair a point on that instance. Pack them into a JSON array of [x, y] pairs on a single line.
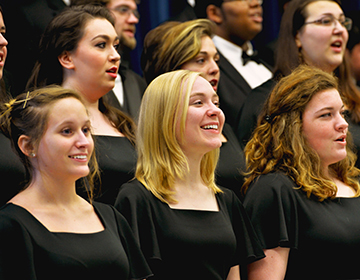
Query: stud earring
[[32, 154]]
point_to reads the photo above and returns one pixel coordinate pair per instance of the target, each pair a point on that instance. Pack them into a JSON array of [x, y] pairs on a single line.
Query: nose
[[84, 141], [132, 18], [114, 55], [213, 68], [338, 27], [3, 41], [214, 110], [341, 124]]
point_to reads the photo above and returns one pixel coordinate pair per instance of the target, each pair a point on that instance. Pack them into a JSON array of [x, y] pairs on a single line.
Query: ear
[[297, 40], [65, 60], [214, 14], [25, 145]]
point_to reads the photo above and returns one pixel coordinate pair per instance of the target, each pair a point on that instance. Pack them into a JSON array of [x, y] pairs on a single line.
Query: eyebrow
[[328, 108], [105, 37], [200, 94]]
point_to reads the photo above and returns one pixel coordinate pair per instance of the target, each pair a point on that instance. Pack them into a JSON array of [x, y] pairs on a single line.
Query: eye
[[326, 20], [86, 130], [66, 131], [200, 60], [325, 115], [101, 45], [216, 103], [345, 113]]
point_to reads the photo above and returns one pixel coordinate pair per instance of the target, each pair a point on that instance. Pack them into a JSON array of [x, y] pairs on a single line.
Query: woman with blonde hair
[[47, 230], [187, 226], [188, 45], [302, 189]]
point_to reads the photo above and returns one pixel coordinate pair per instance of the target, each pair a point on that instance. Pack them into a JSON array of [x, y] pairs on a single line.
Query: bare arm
[[234, 273], [272, 267]]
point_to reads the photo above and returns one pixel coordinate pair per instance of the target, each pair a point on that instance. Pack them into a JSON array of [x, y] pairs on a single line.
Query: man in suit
[[129, 86], [25, 21], [237, 23]]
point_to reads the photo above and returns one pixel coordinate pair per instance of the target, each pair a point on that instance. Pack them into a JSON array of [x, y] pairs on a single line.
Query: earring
[[32, 154]]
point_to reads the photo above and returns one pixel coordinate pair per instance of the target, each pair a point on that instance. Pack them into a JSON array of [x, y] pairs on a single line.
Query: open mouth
[[341, 139], [78, 157], [211, 126]]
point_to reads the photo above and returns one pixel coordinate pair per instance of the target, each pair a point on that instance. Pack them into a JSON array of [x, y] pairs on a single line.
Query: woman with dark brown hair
[[79, 51]]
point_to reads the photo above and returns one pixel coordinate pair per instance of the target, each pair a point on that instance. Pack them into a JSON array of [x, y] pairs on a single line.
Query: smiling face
[[241, 20], [322, 46], [93, 65], [124, 22], [324, 126], [66, 146], [204, 120], [206, 62], [3, 44]]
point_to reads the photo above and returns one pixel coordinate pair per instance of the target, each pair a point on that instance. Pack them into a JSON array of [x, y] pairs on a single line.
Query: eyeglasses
[[127, 11], [330, 20], [247, 1]]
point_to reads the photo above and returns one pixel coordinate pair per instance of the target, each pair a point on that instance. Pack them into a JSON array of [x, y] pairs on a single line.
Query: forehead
[[202, 86], [97, 26], [328, 98], [66, 109], [323, 7], [116, 3]]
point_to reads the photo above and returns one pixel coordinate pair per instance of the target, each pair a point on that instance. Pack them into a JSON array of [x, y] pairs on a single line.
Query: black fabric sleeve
[[139, 268], [133, 203], [272, 207], [16, 251], [248, 246]]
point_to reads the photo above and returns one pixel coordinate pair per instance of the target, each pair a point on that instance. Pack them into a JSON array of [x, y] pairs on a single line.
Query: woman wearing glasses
[[312, 32]]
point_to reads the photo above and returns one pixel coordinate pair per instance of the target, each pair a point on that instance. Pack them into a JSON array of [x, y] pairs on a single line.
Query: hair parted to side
[[277, 143], [27, 114], [62, 34], [171, 44], [160, 157], [287, 57]]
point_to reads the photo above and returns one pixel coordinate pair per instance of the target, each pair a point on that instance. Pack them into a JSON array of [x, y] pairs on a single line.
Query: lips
[[214, 83], [257, 17], [112, 72], [337, 45], [341, 139], [79, 157]]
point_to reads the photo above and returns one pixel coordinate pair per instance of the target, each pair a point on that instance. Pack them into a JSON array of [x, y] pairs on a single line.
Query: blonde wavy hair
[[278, 144], [160, 157]]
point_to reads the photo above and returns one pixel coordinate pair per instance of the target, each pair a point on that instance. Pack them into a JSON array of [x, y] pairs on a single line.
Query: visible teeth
[[79, 157], [211, 126]]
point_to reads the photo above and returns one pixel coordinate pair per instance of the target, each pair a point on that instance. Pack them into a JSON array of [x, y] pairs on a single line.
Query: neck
[[193, 177], [48, 190]]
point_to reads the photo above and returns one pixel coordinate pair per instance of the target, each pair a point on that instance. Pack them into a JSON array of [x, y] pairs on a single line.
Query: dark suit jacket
[[25, 22], [134, 87], [232, 91]]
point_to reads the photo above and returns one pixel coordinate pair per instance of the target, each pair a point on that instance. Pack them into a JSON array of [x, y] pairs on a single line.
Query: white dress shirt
[[255, 74], [119, 90]]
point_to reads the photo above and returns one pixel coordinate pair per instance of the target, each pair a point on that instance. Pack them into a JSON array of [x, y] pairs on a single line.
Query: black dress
[[231, 163], [189, 244], [323, 237], [12, 171], [117, 161], [30, 251]]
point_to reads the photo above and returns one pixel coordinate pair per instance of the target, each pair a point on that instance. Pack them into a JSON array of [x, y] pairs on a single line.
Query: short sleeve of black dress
[[272, 207]]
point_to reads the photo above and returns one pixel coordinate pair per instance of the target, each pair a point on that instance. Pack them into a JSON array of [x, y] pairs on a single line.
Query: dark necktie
[[254, 57]]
